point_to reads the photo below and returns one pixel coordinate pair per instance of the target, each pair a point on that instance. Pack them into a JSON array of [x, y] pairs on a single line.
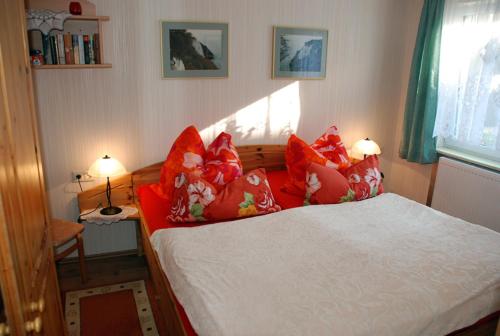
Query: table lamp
[[107, 167], [364, 147]]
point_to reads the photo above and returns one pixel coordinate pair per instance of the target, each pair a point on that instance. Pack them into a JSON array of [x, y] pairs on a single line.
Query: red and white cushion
[[196, 199], [298, 156], [222, 162], [328, 150], [185, 156], [325, 185], [219, 164], [330, 145], [365, 178]]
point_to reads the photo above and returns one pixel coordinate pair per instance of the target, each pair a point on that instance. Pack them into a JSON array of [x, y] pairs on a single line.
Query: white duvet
[[384, 266]]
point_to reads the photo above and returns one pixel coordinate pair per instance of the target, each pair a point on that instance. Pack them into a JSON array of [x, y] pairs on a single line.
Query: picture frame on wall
[[194, 49], [299, 53]]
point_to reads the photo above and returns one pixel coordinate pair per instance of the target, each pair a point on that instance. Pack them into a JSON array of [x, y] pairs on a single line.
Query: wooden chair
[[64, 231]]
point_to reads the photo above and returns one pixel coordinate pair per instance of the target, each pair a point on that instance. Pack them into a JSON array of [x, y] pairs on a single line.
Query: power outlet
[[85, 177]]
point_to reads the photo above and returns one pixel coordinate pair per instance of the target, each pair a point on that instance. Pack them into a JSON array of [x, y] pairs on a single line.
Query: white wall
[[408, 179], [132, 114]]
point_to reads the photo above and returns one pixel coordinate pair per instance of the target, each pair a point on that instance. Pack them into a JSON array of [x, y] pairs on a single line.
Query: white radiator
[[468, 192]]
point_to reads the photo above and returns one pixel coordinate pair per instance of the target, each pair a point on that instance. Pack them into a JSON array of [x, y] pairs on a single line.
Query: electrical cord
[[89, 212], [78, 178]]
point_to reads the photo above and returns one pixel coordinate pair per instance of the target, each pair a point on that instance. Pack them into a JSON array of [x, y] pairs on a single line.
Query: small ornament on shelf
[[75, 8], [36, 57]]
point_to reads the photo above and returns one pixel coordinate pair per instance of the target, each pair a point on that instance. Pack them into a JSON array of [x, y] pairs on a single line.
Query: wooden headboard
[[270, 157]]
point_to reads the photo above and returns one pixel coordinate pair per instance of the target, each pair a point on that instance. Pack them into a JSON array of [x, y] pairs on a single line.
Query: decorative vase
[[75, 8]]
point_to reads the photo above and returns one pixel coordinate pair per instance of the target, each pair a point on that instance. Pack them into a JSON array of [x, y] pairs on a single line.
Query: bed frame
[[270, 157]]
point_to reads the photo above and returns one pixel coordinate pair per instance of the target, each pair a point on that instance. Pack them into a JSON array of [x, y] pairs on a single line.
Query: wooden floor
[[102, 272]]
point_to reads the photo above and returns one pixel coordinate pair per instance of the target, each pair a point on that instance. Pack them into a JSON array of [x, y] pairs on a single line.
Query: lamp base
[[109, 211]]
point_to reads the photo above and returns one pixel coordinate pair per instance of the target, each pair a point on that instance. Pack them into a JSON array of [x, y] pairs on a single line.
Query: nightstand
[[133, 217]]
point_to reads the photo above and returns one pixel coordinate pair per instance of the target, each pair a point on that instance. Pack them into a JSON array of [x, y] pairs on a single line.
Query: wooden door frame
[[23, 271]]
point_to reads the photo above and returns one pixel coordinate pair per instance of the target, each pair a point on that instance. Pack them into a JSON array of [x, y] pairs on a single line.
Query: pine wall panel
[[132, 114]]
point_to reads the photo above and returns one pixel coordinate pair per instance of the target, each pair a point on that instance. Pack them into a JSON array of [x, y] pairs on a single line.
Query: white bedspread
[[384, 266]]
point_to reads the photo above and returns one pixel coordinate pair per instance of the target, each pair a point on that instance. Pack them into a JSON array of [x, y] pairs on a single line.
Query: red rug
[[121, 310]]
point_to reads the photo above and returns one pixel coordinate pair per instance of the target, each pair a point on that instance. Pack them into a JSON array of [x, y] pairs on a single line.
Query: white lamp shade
[[364, 147], [106, 167]]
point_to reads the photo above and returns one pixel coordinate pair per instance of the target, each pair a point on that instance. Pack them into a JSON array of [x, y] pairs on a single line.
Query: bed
[[386, 266]]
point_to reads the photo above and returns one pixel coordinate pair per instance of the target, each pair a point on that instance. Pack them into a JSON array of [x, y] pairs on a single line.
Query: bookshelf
[[88, 18], [88, 23], [71, 66]]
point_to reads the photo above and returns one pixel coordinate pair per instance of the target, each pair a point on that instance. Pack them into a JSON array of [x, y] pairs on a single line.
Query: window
[[468, 113]]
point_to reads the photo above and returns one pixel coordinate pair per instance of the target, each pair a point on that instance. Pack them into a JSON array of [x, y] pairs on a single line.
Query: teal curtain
[[417, 144]]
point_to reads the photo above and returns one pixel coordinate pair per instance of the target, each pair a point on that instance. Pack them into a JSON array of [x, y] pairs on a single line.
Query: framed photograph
[[194, 49], [299, 53]]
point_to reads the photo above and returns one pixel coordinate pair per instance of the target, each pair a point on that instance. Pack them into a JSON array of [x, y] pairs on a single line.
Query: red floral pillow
[[365, 178], [325, 185], [298, 156], [331, 146], [185, 156], [195, 199], [222, 162]]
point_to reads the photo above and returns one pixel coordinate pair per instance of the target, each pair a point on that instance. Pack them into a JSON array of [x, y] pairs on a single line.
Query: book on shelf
[[48, 56], [76, 53], [81, 50], [68, 46], [86, 42], [53, 50], [73, 49], [60, 49], [91, 49], [97, 49]]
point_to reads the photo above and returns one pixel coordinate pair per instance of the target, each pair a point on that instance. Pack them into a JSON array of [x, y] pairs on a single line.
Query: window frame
[[447, 146], [455, 151]]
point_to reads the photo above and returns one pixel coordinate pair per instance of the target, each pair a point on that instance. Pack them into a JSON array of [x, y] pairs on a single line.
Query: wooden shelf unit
[[71, 66], [90, 9], [88, 18]]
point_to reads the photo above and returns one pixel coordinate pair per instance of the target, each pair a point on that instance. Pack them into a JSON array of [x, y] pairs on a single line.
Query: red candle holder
[[75, 8]]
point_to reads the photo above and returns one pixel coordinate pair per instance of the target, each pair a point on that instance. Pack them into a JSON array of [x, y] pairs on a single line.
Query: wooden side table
[[135, 217]]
